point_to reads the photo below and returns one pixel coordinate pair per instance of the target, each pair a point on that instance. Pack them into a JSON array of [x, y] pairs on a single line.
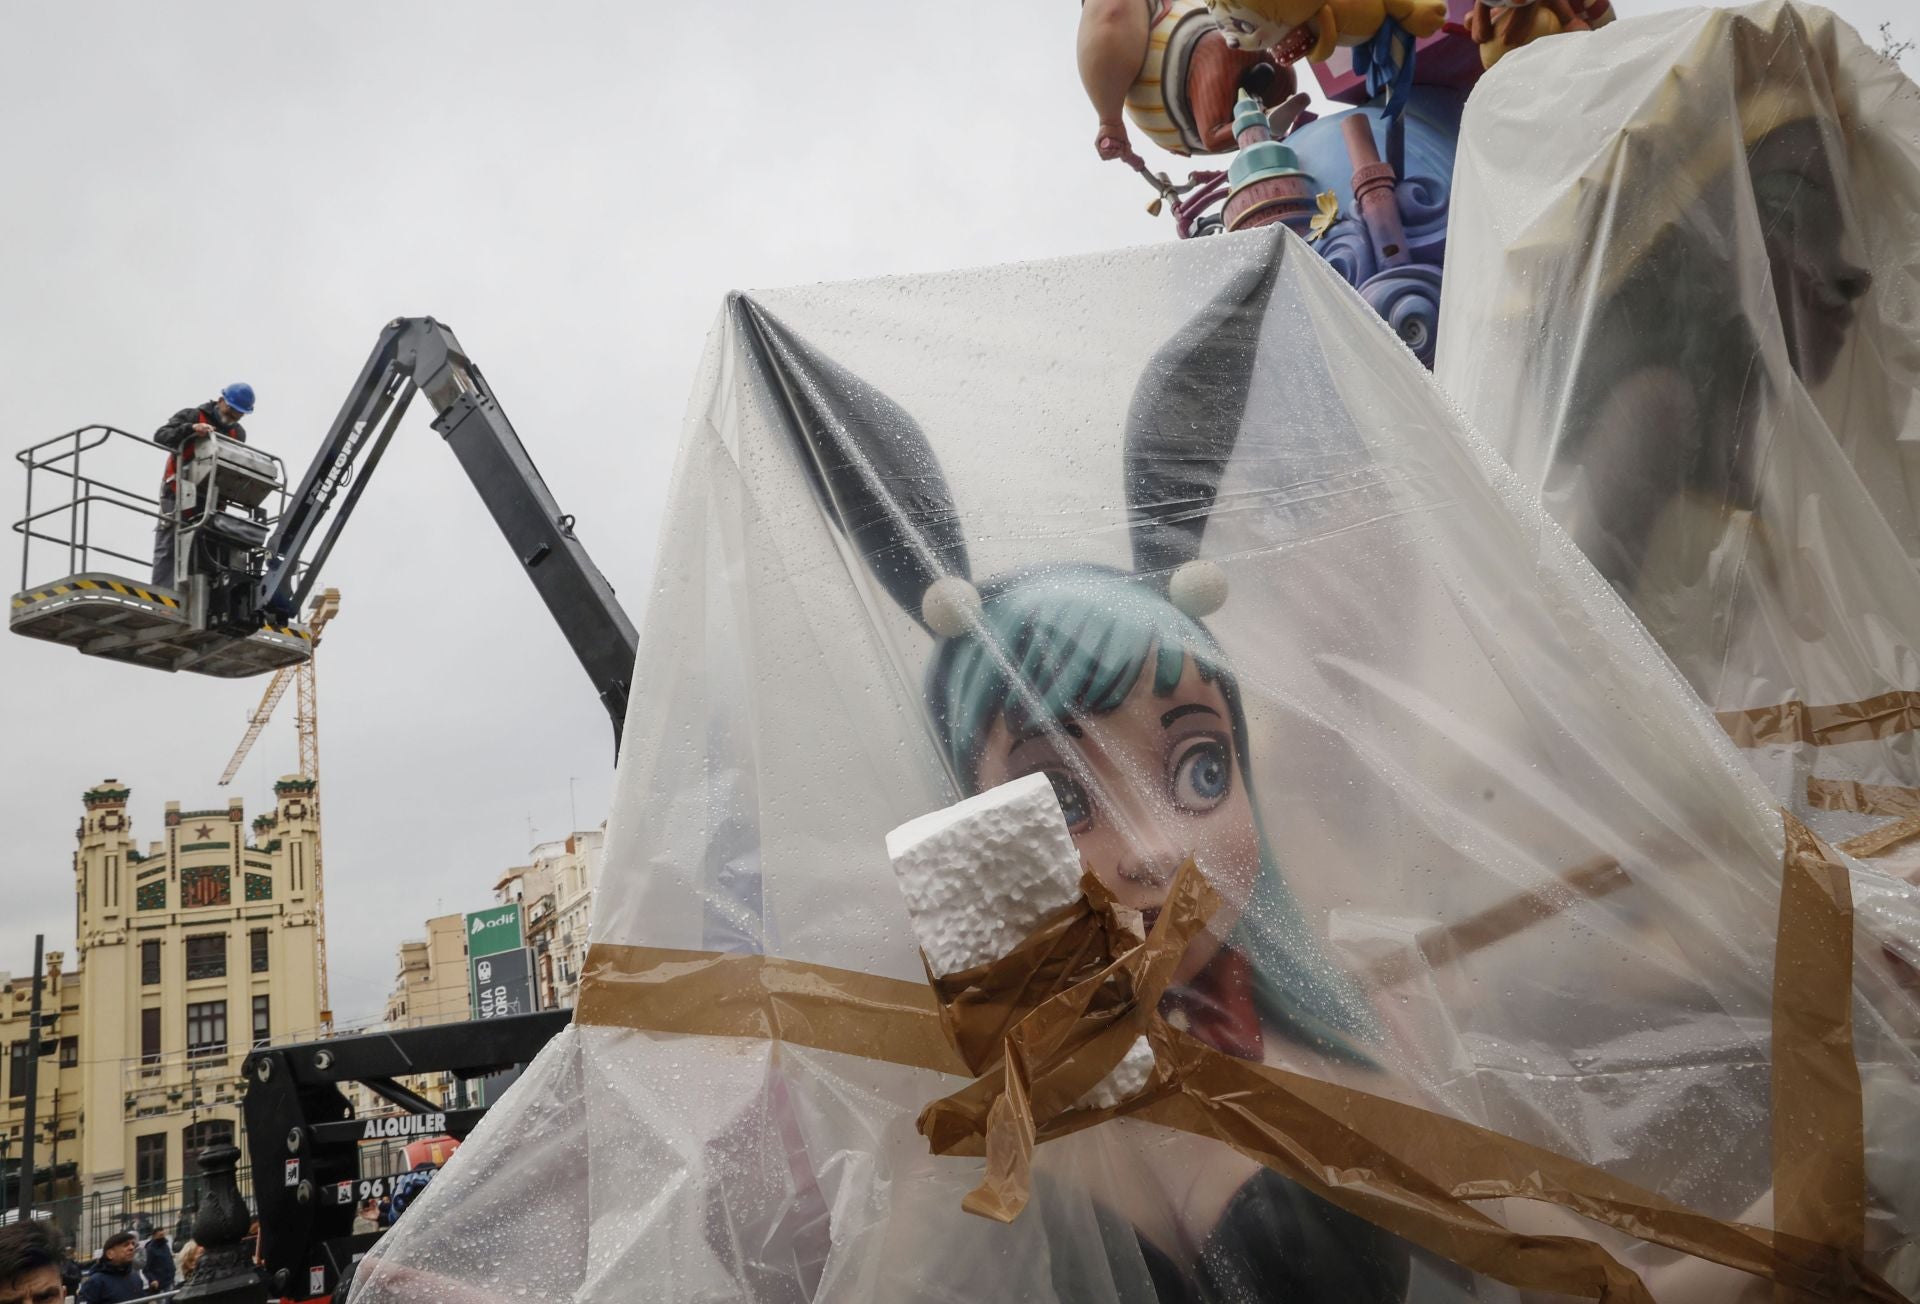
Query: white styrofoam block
[[1128, 1076], [979, 875]]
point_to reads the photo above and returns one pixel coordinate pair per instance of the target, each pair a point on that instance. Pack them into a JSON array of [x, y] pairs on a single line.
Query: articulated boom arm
[[420, 354]]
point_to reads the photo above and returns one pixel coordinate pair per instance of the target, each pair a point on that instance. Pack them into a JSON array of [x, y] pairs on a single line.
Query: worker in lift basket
[[221, 416]]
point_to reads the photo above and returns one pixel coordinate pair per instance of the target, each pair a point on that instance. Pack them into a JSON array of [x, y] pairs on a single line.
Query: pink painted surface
[[1447, 58]]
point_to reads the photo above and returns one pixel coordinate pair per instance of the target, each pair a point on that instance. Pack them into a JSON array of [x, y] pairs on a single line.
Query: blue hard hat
[[239, 396]]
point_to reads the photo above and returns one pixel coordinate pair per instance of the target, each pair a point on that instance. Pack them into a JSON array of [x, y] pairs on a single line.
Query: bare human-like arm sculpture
[[1112, 46]]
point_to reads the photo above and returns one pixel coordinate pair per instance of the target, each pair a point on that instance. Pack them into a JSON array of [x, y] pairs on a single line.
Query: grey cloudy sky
[[196, 193]]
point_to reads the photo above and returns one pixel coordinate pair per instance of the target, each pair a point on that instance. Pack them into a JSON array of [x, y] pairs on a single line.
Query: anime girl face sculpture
[[1124, 702], [1167, 779], [1106, 681]]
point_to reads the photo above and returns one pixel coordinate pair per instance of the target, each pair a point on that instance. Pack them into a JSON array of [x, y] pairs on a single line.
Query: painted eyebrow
[[1188, 709], [1067, 727]]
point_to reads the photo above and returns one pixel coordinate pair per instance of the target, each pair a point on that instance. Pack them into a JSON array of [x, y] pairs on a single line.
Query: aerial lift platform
[[247, 551], [230, 497]]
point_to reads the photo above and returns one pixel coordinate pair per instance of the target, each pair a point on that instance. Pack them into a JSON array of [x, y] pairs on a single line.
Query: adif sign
[[489, 932]]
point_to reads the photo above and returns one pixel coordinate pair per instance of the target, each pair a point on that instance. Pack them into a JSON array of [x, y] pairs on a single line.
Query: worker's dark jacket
[[160, 1264], [107, 1284], [179, 429]]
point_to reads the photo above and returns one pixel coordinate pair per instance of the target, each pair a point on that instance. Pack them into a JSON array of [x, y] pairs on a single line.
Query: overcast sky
[[199, 193]]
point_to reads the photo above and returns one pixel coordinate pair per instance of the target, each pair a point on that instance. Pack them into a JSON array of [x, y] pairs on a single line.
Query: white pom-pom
[[950, 606], [1198, 588]]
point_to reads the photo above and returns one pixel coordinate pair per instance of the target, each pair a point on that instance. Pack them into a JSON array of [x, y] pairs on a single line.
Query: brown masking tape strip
[[1819, 1166], [1068, 945], [1373, 1134], [1883, 716], [1362, 1166], [710, 994], [1862, 798], [1400, 1166], [1434, 1164], [1214, 1096], [1067, 1034], [1885, 838], [1588, 881]]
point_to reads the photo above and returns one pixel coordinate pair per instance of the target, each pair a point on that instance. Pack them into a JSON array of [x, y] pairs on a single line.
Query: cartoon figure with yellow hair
[[1175, 74], [1314, 27]]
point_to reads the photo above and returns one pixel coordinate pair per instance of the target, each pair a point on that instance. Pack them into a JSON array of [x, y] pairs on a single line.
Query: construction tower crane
[[307, 724], [323, 609]]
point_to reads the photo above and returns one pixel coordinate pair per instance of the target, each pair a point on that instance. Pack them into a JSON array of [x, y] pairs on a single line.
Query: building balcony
[[163, 1073]]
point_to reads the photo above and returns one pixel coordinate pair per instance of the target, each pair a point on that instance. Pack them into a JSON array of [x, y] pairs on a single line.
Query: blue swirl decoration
[[1423, 202], [1348, 250], [1386, 62], [1408, 297]]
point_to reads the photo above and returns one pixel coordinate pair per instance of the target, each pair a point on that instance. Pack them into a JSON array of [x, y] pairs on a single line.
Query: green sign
[[489, 932]]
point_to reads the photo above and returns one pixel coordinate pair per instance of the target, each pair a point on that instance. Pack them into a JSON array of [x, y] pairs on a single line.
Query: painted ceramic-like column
[[1374, 192], [1264, 182]]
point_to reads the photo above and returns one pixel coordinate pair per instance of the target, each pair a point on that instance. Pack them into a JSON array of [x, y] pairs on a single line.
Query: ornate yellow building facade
[[190, 952], [57, 1115]]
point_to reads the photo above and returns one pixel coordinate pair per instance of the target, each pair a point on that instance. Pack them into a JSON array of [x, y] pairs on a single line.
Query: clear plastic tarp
[[1683, 306], [1482, 850]]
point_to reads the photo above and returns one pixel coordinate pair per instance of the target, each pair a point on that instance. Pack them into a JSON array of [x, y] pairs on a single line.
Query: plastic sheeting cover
[[1417, 704], [1686, 313]]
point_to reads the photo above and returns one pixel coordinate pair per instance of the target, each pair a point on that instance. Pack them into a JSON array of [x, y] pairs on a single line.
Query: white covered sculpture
[[1492, 906], [1688, 316]]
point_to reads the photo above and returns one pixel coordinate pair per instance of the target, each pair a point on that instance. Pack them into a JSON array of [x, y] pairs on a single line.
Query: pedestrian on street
[[113, 1279], [159, 1267], [367, 1217]]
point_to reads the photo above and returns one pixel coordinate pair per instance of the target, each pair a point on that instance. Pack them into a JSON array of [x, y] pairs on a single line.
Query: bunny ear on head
[[871, 470], [1181, 430]]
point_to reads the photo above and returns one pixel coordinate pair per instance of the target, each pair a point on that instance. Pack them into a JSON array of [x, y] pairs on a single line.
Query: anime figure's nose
[[1150, 859]]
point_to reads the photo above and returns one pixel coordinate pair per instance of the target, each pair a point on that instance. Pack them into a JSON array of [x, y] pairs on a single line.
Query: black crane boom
[[419, 354]]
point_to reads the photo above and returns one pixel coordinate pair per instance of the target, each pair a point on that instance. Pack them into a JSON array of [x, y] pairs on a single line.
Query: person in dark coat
[[221, 416], [114, 1279], [159, 1267]]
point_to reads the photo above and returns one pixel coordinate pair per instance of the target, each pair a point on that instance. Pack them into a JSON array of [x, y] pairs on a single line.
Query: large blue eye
[[1074, 803], [1202, 775]]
